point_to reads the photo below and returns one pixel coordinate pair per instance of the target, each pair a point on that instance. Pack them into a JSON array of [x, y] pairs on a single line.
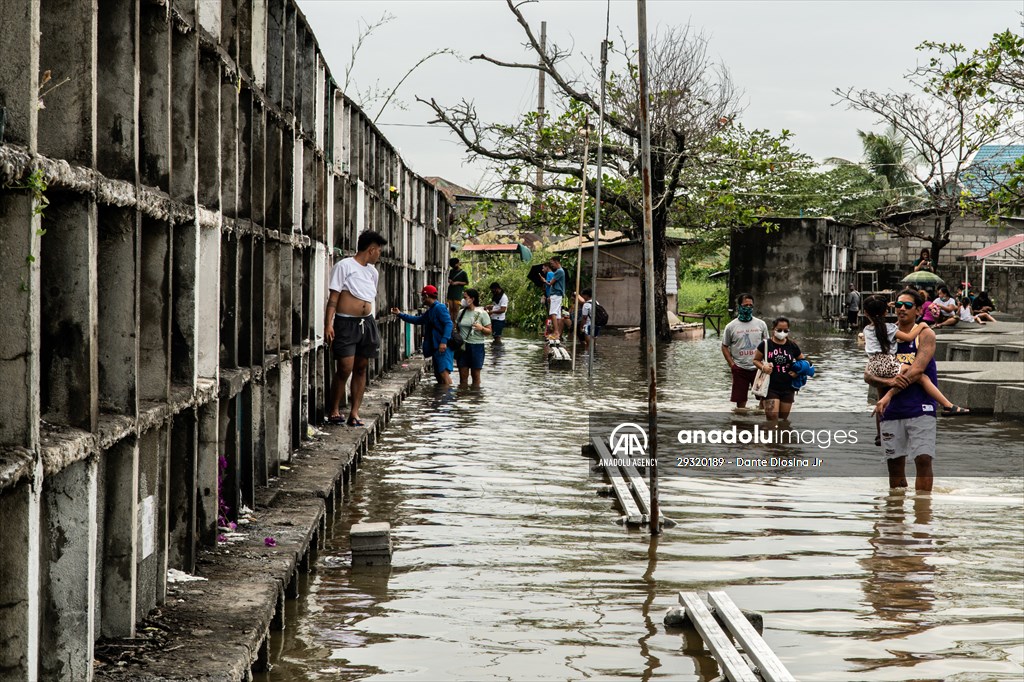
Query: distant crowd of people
[[455, 332], [939, 308]]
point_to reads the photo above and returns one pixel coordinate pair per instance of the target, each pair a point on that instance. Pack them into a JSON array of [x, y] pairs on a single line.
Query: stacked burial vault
[[166, 308]]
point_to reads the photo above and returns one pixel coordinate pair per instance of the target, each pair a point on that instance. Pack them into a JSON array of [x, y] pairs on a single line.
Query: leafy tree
[[996, 73], [944, 127], [890, 165], [691, 99]]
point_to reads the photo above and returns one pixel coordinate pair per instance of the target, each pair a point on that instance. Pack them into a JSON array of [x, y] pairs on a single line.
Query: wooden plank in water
[[640, 490], [619, 485], [768, 664], [717, 642]]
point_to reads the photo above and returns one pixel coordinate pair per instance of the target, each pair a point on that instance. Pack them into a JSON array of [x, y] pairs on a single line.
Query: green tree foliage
[[995, 73], [691, 98], [944, 126]]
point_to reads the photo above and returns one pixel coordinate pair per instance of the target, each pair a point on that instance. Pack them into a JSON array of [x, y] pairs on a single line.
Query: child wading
[[880, 338]]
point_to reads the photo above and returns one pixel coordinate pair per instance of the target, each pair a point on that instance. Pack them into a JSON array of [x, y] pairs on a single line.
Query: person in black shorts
[[349, 325], [782, 353]]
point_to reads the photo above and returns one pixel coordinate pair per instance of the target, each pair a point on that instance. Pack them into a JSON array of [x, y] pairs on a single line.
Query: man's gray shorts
[[908, 437]]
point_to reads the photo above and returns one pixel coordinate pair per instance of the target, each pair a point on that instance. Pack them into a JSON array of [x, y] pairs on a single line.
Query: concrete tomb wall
[[176, 180]]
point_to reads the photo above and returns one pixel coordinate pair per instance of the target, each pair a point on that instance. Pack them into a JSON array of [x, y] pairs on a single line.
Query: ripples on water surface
[[508, 564]]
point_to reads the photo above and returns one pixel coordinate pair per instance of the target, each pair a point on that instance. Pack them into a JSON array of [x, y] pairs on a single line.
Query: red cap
[[429, 290]]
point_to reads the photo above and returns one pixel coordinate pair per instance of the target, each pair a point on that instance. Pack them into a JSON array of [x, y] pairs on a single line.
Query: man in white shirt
[[497, 311], [349, 325], [588, 317]]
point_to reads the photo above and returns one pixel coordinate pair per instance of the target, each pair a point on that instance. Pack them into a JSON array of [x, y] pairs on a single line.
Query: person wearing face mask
[[473, 324], [740, 339], [778, 361], [947, 309]]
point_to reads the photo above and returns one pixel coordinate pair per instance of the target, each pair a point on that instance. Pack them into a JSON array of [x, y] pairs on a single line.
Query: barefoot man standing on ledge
[[349, 325]]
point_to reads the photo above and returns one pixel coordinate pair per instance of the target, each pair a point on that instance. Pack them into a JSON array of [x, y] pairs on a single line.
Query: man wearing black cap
[[437, 329]]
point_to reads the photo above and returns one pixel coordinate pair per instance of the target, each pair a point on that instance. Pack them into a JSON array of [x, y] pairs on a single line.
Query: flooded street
[[508, 565]]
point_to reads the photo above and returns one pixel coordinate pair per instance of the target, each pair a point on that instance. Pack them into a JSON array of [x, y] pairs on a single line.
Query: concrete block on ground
[[1006, 353], [371, 544], [1009, 401]]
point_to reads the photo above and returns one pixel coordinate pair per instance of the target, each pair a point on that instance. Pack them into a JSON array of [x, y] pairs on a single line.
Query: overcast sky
[[785, 56]]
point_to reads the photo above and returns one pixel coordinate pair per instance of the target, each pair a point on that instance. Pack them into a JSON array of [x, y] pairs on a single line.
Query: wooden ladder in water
[[763, 665], [629, 487]]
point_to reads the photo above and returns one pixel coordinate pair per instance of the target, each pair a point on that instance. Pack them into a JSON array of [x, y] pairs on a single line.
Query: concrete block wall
[[800, 269], [892, 257], [171, 202]]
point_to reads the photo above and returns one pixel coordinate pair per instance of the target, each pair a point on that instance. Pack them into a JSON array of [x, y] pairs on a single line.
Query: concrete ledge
[[1009, 401], [217, 629], [15, 466]]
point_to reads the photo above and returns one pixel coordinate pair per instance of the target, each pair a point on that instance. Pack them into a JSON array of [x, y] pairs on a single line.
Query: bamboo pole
[[579, 244], [597, 213], [645, 149]]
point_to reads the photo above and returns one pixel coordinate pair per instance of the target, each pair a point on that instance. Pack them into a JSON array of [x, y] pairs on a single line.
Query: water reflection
[[652, 662], [508, 565], [899, 585]]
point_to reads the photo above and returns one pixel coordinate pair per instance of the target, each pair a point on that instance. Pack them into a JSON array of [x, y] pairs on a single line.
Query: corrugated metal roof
[[992, 249], [987, 169]]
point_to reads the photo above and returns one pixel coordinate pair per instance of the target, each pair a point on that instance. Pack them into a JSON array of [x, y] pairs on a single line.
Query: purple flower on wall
[[270, 542]]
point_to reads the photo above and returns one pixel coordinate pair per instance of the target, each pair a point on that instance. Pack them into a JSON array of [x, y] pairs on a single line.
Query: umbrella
[[922, 278], [536, 276]]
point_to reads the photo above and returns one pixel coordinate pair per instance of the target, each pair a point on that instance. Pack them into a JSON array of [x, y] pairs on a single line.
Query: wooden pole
[[597, 212], [579, 244], [652, 373]]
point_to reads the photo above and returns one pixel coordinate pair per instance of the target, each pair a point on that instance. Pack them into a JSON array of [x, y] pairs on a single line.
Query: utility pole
[[540, 120], [652, 362]]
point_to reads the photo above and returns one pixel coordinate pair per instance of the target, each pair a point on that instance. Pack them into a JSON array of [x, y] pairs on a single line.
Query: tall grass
[[526, 311], [695, 290]]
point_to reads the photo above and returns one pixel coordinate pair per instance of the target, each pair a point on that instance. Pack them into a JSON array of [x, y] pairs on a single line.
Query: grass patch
[[694, 292]]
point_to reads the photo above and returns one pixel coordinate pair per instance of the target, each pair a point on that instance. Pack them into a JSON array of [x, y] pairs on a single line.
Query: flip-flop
[[336, 419], [354, 422], [955, 411]]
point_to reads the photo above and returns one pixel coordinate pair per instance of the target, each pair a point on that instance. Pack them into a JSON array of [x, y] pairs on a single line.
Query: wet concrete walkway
[[217, 627]]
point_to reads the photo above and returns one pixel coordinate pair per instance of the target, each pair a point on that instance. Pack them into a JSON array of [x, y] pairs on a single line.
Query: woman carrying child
[[880, 339]]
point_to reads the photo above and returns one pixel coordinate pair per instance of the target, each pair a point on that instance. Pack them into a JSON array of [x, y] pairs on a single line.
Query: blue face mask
[[746, 313]]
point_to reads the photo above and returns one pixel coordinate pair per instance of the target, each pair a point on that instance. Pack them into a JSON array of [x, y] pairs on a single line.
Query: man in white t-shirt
[[589, 315], [349, 325], [740, 340], [497, 311]]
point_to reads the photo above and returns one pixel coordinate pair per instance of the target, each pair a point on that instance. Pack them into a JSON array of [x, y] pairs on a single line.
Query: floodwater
[[509, 566]]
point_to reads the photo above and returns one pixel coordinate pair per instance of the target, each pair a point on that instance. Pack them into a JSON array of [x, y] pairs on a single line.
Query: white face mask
[[781, 334], [465, 303]]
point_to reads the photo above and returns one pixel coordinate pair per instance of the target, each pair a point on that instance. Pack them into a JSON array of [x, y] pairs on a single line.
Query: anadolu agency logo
[[628, 443], [628, 440]]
